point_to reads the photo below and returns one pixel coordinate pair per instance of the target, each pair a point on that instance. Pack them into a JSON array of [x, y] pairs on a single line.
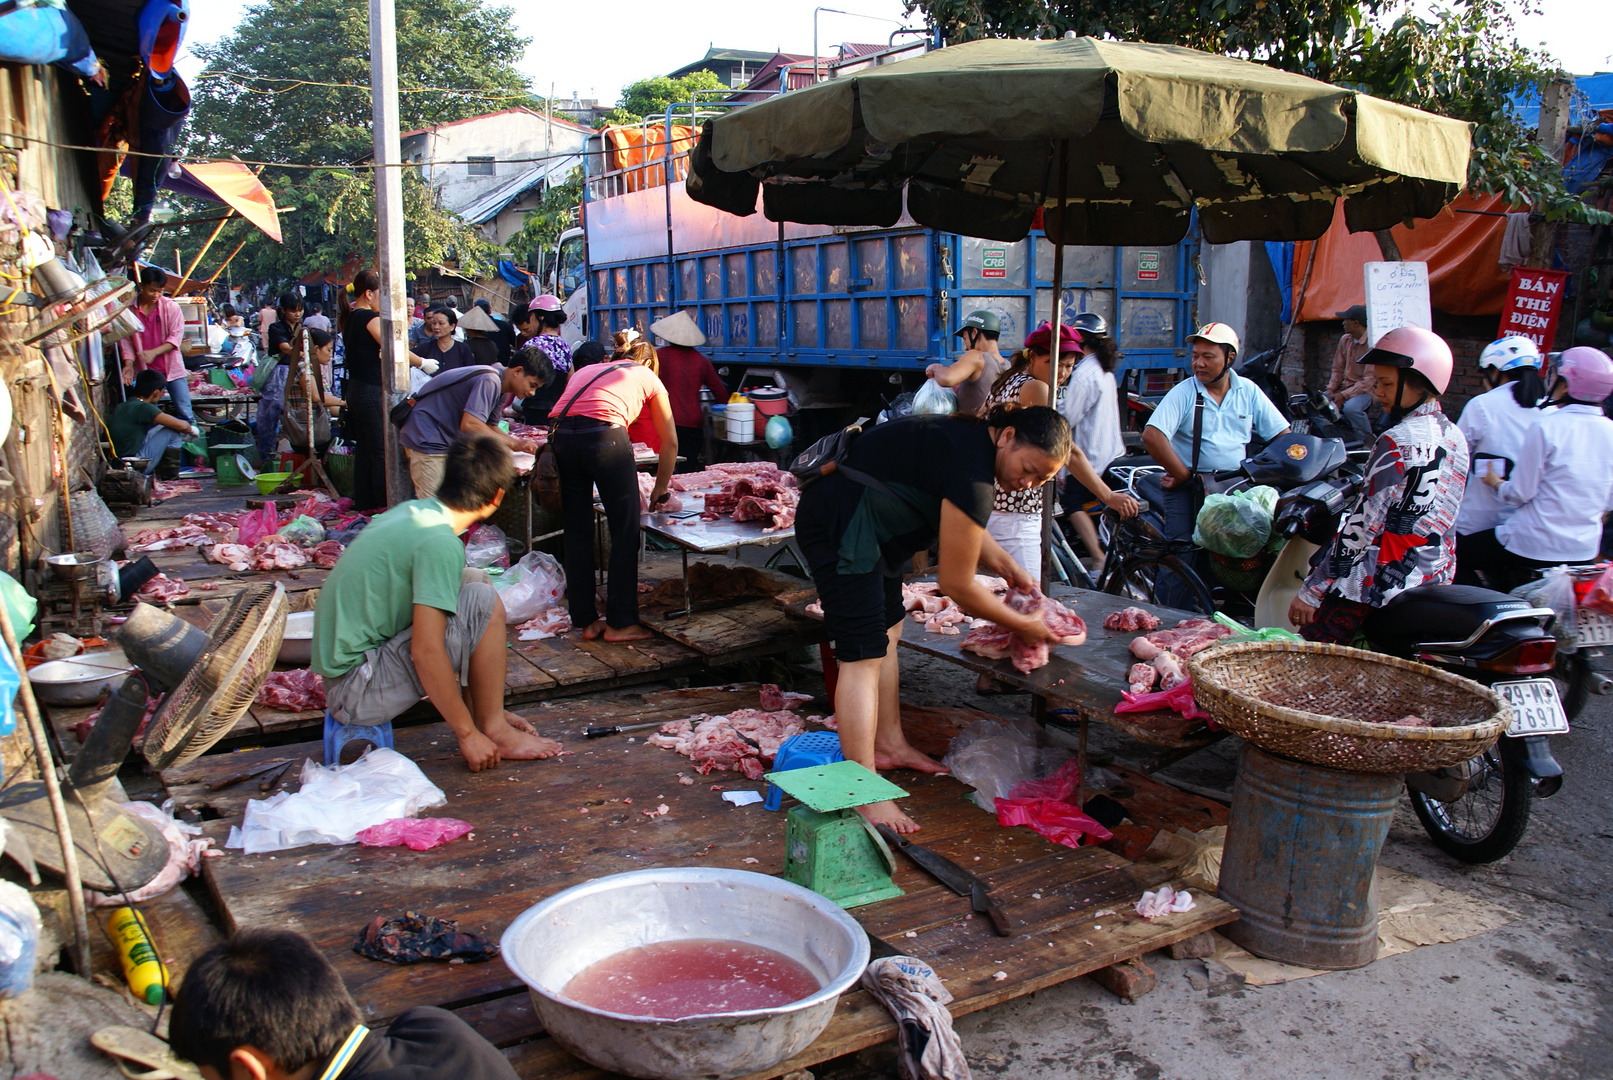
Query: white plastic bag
[[19, 938], [533, 586], [995, 758], [186, 849], [933, 399], [1555, 590], [485, 546], [337, 803]]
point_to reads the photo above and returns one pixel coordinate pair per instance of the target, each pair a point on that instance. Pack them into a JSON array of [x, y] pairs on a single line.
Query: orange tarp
[[1461, 250], [630, 147]]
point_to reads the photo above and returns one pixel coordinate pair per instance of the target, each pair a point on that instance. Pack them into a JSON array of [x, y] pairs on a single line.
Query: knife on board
[[953, 877]]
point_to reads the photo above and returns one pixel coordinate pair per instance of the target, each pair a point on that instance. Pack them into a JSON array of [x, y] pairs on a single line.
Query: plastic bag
[[1195, 857], [1178, 698], [901, 406], [337, 803], [19, 939], [304, 531], [933, 399], [535, 584], [186, 849], [486, 545], [1555, 590], [1241, 632], [10, 683], [997, 759], [1600, 595], [418, 834], [1232, 525], [1054, 819], [256, 524]]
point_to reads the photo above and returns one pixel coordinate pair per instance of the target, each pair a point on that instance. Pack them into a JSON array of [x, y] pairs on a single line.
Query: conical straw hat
[[679, 329]]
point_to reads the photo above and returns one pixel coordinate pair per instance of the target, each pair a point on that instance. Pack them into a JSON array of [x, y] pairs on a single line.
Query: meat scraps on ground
[[995, 642], [720, 742]]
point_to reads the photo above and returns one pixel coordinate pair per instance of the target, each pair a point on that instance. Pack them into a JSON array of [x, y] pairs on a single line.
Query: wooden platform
[[543, 826]]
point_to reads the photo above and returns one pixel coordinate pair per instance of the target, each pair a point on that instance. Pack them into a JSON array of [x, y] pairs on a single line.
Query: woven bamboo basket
[[1335, 707]]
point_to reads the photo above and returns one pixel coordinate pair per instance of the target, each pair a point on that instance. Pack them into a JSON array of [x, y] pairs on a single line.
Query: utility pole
[[1555, 98], [389, 233]]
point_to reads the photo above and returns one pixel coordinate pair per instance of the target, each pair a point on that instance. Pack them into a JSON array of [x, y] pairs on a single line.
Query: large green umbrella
[[974, 134]]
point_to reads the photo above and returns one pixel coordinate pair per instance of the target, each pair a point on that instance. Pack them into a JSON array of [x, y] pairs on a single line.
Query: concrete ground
[[1532, 998]]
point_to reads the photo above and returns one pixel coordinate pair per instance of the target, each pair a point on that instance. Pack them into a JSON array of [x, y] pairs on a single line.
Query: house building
[[735, 67]]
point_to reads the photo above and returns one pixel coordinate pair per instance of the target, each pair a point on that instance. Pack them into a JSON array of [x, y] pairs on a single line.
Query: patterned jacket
[[1401, 533]]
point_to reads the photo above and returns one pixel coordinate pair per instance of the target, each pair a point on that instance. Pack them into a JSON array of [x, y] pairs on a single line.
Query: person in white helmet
[[1495, 424], [1561, 485], [1401, 533]]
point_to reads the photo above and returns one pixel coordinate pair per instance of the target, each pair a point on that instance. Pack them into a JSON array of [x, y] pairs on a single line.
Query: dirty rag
[[413, 937], [910, 990]]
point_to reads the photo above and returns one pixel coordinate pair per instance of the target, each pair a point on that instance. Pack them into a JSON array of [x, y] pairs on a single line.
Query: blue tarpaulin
[[513, 274], [1281, 254], [1595, 92]]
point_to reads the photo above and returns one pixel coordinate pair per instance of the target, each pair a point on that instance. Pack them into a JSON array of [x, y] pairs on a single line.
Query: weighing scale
[[829, 847]]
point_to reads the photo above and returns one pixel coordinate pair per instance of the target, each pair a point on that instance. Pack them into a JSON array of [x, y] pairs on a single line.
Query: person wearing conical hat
[[684, 370]]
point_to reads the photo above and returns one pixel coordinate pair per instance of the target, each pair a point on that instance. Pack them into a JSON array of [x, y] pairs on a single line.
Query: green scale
[[829, 847]]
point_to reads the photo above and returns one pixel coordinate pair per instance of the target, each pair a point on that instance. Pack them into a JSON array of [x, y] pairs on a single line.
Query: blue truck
[[848, 315]]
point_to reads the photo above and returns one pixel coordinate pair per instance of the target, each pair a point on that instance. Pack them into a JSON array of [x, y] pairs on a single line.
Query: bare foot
[[517, 745], [886, 813], [594, 629], [519, 723], [905, 757], [636, 632]]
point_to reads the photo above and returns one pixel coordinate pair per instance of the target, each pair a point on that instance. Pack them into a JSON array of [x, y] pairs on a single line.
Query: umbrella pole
[[227, 262], [197, 261], [1049, 493]]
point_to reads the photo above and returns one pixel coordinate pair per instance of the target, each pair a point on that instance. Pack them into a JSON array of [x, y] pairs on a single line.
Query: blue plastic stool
[[338, 735], [802, 752]]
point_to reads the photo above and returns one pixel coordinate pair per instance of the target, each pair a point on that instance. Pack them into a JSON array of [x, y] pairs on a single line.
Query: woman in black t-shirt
[[941, 474], [360, 322]]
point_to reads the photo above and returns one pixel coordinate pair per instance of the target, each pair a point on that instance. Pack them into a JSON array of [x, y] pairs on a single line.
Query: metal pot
[[551, 942], [75, 566], [79, 680], [297, 646]]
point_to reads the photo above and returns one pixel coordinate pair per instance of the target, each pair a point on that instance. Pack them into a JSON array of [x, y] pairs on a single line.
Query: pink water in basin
[[696, 977]]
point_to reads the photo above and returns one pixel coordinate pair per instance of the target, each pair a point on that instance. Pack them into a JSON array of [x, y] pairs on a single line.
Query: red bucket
[[770, 400]]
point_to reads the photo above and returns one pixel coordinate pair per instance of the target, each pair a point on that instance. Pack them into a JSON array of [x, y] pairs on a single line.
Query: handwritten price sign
[[1534, 301], [1397, 295]]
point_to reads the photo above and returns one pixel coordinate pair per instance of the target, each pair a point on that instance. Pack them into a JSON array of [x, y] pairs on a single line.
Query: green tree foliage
[[1462, 61], [557, 212], [291, 84], [649, 98]]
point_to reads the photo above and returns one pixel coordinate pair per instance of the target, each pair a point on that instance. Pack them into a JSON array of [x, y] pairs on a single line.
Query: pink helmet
[[1589, 373], [546, 302], [1423, 351]]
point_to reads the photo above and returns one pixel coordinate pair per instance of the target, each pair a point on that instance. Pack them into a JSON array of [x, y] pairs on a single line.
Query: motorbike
[[1476, 811]]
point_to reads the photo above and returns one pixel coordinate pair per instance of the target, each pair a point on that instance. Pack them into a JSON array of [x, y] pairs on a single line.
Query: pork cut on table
[[996, 642], [1131, 618], [162, 590], [1142, 678], [293, 691], [775, 700], [325, 553], [1184, 639], [271, 553], [719, 742]]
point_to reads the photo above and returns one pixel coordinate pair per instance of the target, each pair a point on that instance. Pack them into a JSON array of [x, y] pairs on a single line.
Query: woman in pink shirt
[[156, 346], [592, 448]]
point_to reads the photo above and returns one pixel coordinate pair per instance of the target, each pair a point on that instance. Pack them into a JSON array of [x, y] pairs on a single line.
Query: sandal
[[126, 1044]]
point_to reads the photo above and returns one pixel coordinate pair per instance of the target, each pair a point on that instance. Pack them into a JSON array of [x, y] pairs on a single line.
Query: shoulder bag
[[545, 471]]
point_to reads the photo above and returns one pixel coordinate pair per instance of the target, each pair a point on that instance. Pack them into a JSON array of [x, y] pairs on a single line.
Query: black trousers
[[692, 448], [362, 422], [588, 457], [1482, 554]]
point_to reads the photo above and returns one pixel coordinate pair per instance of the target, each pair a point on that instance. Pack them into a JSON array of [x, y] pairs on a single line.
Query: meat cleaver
[[953, 877]]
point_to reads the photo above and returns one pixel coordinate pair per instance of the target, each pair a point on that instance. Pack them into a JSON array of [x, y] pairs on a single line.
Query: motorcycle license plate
[[1595, 627], [1536, 709]]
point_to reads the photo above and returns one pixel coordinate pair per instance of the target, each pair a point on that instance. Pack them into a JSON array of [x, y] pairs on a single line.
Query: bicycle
[[1138, 550]]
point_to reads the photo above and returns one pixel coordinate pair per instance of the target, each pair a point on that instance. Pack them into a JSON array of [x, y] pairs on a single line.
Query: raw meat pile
[[1165, 901], [208, 389], [81, 730], [546, 624], [292, 691], [162, 590], [1132, 619], [270, 553], [167, 489], [646, 488], [937, 612], [325, 553], [995, 643], [722, 472], [193, 530], [776, 700], [719, 742], [1163, 651], [746, 491], [527, 431]]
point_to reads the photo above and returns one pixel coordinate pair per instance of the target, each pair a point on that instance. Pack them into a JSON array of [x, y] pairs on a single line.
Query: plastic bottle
[[143, 969]]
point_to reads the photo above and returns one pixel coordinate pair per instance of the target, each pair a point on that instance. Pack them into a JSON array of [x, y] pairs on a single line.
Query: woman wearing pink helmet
[[1401, 533], [1562, 483]]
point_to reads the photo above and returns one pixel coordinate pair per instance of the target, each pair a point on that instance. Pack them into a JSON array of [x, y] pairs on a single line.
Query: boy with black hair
[[140, 429], [465, 401], [396, 624], [267, 1006]]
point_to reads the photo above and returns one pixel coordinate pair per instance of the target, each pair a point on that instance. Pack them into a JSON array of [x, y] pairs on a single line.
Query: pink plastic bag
[[421, 834], [1059, 786], [256, 524], [1600, 595], [1178, 699], [1054, 819]]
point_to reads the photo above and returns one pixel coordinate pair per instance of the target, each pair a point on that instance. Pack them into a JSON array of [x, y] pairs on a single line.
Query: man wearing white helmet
[[1561, 485], [1401, 533], [1495, 424]]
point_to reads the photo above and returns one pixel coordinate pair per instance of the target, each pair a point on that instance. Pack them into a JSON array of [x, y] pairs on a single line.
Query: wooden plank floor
[[543, 826]]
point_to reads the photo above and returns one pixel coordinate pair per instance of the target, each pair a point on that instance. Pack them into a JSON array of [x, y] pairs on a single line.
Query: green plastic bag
[[1241, 632], [21, 607], [1232, 525]]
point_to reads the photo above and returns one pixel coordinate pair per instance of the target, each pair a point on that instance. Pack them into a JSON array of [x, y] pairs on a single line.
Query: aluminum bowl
[[552, 941], [79, 680], [297, 646]]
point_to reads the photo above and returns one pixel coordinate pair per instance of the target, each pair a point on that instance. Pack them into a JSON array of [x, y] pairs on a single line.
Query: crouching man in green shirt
[[394, 624]]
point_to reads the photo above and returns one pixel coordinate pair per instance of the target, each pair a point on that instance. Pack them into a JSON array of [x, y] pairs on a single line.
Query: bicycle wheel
[[1135, 578], [1489, 819]]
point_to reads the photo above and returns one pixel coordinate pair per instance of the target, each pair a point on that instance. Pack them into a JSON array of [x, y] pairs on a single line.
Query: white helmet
[[1509, 353]]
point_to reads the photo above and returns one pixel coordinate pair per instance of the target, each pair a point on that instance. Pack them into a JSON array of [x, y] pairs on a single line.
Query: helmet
[[546, 302], [1217, 333], [1091, 324], [984, 321], [1589, 373], [1423, 351], [1509, 353]]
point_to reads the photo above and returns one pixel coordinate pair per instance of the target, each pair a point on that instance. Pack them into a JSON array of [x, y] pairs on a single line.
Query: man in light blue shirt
[[1203, 425]]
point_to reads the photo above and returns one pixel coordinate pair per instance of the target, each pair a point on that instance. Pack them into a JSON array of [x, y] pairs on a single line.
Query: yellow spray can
[[142, 967]]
